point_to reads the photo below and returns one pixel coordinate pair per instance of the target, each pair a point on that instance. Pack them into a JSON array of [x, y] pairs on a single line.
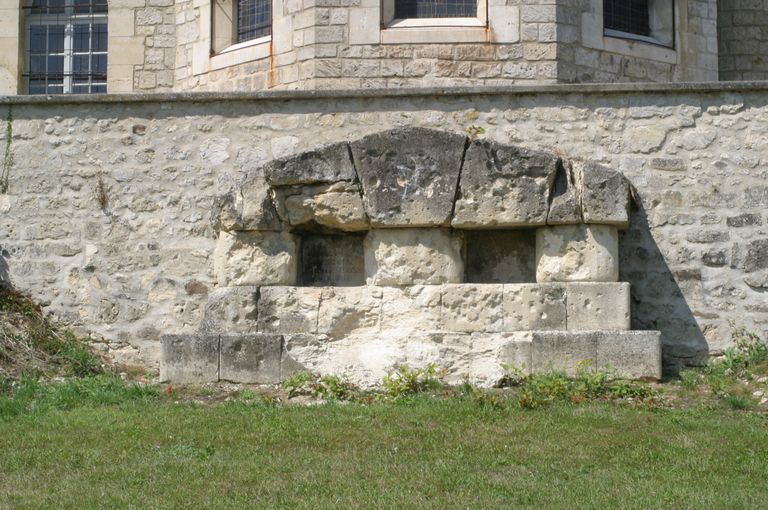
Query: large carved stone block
[[468, 308], [449, 351], [231, 310], [255, 258], [251, 358], [534, 307], [572, 253], [337, 206], [491, 351], [327, 164], [409, 176], [500, 256], [598, 306], [288, 309], [189, 359], [504, 186], [412, 256], [248, 207], [630, 354], [604, 195], [415, 308], [565, 198], [563, 351], [350, 310]]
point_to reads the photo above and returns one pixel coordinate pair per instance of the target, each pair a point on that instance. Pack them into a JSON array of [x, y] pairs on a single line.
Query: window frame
[[433, 30], [67, 19], [648, 39]]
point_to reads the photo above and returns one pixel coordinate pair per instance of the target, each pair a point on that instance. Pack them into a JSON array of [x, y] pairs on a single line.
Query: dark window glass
[[630, 16], [405, 9], [99, 37], [254, 19], [66, 47], [81, 37]]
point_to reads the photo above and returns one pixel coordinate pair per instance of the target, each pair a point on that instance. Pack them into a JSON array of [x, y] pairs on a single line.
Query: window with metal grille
[[254, 19], [66, 47], [630, 16], [405, 9]]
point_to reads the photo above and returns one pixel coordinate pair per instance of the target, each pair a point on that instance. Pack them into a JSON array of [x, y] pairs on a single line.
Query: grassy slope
[[447, 453]]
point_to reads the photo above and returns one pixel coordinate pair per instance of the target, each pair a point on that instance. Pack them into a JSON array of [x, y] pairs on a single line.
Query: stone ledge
[[449, 308], [366, 358], [415, 92]]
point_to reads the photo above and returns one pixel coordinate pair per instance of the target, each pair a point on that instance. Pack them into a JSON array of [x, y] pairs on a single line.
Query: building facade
[[85, 46]]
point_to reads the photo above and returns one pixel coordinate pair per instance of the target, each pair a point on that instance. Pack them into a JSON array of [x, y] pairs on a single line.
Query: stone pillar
[[577, 253], [126, 47], [413, 256], [255, 258]]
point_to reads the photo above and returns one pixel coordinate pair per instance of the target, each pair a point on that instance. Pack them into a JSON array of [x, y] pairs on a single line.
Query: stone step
[[365, 358], [460, 308]]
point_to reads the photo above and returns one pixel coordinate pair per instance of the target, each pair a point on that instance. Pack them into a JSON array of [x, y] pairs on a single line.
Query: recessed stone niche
[[331, 260], [403, 247], [500, 256]]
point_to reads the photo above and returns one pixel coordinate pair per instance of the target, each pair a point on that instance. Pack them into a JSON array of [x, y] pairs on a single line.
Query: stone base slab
[[449, 308], [366, 358]]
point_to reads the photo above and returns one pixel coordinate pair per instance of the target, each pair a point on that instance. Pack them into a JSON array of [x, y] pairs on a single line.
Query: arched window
[[65, 47]]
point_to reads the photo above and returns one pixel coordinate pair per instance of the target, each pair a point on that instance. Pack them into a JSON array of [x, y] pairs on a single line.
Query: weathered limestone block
[[337, 206], [255, 258], [500, 256], [563, 350], [630, 354], [327, 164], [564, 200], [332, 260], [449, 351], [364, 359], [536, 306], [415, 308], [412, 256], [231, 310], [572, 253], [604, 195], [491, 351], [409, 176], [248, 207], [598, 306], [188, 359], [504, 186], [251, 358], [468, 307], [288, 309], [349, 310]]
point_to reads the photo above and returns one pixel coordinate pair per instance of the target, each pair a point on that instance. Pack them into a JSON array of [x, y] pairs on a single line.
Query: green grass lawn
[[424, 453]]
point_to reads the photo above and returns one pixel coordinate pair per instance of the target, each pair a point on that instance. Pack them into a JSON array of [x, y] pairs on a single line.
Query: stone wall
[[743, 39], [107, 216]]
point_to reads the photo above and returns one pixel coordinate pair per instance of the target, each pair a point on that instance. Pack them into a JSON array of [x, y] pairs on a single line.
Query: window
[[254, 19], [237, 22], [66, 47], [649, 21], [405, 9]]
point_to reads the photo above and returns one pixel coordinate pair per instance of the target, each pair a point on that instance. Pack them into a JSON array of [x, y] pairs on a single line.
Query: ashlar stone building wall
[[107, 217], [743, 39]]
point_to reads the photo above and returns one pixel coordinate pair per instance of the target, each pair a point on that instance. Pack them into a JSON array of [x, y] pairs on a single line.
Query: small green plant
[[514, 375], [326, 387], [739, 402], [590, 382], [405, 381], [475, 132]]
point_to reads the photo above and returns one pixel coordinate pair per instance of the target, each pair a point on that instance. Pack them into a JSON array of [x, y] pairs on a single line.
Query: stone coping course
[[414, 92]]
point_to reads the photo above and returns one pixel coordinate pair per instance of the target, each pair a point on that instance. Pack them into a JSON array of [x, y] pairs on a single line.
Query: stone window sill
[[241, 53], [399, 34]]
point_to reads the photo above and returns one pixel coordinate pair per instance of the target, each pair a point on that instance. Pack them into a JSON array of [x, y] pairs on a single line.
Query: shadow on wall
[[658, 302], [5, 277]]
